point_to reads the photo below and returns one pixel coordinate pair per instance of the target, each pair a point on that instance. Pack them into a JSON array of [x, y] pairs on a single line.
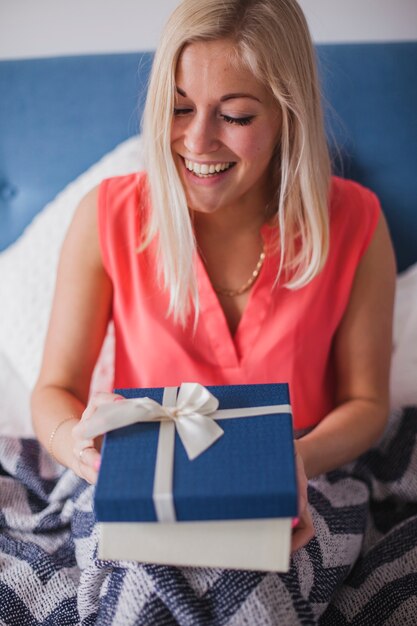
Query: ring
[[81, 452], [80, 455]]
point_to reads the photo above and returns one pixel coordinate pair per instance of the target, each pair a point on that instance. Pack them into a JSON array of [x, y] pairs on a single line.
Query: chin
[[198, 203], [203, 208]]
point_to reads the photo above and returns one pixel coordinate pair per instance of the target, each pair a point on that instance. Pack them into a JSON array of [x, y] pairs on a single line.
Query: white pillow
[[403, 385], [27, 278], [14, 402]]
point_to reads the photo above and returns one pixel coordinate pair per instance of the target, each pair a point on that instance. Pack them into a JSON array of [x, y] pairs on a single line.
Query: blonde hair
[[273, 40]]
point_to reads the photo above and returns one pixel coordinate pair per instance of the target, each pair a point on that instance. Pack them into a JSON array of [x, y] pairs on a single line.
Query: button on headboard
[[58, 116]]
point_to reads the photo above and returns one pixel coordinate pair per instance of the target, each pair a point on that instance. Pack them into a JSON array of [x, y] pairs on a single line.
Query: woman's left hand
[[304, 530], [86, 451]]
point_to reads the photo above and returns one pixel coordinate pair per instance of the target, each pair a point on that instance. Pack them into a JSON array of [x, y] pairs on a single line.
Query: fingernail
[[97, 465]]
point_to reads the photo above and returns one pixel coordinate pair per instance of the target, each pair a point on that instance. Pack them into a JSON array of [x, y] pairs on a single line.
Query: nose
[[200, 135]]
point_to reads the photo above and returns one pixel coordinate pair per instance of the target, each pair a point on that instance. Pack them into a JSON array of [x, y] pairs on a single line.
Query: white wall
[[33, 28]]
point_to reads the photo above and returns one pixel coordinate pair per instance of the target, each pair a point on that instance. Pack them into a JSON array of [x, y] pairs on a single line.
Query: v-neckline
[[232, 349]]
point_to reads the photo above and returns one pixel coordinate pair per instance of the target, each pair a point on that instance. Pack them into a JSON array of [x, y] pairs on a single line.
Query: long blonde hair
[[273, 40]]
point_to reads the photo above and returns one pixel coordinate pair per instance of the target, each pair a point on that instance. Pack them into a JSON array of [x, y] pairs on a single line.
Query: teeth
[[205, 169]]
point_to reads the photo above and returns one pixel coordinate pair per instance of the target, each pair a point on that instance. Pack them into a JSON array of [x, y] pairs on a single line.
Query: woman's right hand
[[86, 452], [304, 529]]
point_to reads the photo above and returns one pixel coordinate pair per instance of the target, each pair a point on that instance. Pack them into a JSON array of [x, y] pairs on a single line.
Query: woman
[[236, 258]]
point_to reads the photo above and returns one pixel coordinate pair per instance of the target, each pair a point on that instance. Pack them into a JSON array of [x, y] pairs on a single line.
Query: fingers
[[88, 464], [112, 415], [304, 530], [97, 400], [302, 482], [86, 459]]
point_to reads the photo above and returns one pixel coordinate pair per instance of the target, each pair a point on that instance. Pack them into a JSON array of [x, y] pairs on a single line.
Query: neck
[[225, 227], [232, 221]]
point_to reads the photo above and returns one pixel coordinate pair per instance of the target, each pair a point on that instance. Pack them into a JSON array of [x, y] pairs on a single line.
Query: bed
[[66, 123]]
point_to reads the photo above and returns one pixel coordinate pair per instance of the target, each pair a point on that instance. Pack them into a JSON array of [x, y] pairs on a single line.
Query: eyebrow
[[228, 96]]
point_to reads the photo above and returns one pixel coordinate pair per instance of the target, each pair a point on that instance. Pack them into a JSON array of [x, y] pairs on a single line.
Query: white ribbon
[[192, 414]]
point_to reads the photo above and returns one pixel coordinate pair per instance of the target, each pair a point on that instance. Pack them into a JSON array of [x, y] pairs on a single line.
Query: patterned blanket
[[361, 568]]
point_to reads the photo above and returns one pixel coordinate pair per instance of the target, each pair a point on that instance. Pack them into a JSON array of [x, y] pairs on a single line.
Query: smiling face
[[225, 128]]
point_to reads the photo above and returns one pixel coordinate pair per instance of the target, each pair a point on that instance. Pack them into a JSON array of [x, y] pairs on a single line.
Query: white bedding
[[27, 276]]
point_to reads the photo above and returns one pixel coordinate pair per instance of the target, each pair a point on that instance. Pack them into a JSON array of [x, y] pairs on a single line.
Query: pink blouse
[[283, 335]]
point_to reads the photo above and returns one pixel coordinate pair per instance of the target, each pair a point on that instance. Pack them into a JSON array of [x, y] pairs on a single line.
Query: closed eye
[[241, 121], [182, 111]]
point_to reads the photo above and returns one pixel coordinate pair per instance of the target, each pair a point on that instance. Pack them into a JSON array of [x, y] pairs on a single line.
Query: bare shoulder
[[374, 284], [379, 258]]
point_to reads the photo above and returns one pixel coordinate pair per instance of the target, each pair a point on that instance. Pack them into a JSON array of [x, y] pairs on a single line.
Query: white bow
[[191, 416]]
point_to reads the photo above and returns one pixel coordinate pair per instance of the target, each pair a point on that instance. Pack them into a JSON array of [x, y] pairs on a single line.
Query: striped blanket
[[361, 568]]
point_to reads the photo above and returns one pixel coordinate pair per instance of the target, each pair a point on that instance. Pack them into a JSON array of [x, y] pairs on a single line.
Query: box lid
[[248, 473]]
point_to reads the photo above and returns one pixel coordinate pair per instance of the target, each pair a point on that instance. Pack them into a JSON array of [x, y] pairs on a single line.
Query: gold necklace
[[231, 293]]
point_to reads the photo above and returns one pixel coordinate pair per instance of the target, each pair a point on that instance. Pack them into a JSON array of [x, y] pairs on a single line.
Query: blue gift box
[[249, 473]]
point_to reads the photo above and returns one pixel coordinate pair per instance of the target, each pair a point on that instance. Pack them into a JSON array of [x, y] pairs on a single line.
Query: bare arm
[[362, 353], [79, 317]]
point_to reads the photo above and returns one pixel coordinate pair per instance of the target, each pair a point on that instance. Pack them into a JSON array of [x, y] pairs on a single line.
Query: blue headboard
[[60, 115]]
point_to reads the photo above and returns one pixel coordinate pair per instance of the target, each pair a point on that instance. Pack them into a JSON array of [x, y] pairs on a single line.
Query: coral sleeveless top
[[283, 335]]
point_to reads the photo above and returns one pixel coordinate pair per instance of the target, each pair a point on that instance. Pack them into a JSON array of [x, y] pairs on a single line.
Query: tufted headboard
[[59, 115]]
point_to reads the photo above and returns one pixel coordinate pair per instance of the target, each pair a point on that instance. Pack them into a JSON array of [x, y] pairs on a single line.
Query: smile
[[205, 170]]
